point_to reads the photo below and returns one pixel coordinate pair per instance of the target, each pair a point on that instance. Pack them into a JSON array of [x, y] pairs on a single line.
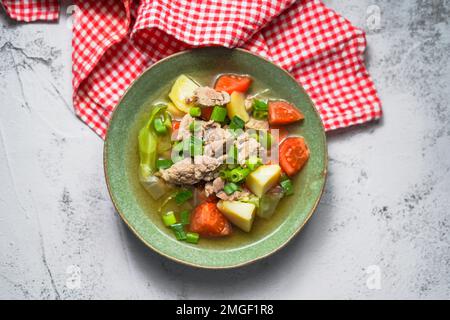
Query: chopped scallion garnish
[[169, 219], [192, 237], [178, 229], [185, 217], [260, 105], [224, 174], [260, 115], [183, 196], [219, 114], [163, 163], [195, 112], [287, 186], [238, 174], [230, 188], [237, 123]]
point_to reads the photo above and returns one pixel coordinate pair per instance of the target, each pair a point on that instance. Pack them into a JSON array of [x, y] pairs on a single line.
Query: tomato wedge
[[232, 82], [208, 221], [282, 112], [293, 155]]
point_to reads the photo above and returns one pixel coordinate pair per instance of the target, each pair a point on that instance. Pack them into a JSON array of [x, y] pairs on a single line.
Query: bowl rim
[[191, 264]]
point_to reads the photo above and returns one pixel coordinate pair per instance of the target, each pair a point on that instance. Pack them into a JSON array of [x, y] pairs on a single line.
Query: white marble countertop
[[384, 214]]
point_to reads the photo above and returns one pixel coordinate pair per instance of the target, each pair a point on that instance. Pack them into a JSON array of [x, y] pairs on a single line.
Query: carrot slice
[[282, 112], [232, 82], [208, 221]]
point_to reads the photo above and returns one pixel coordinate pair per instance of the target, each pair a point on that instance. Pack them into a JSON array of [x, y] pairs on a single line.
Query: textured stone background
[[386, 202]]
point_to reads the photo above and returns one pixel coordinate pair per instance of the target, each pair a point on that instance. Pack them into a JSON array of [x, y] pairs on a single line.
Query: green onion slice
[[230, 188], [192, 237], [287, 186], [163, 163], [185, 217], [169, 219], [219, 114], [260, 115], [237, 123], [178, 229], [183, 196], [260, 105], [224, 174], [238, 174], [195, 112]]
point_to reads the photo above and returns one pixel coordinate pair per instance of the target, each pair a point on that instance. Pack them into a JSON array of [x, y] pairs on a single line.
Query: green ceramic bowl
[[140, 212]]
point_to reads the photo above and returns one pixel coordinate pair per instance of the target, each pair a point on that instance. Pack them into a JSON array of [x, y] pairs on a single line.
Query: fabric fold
[[114, 41], [325, 53], [182, 24]]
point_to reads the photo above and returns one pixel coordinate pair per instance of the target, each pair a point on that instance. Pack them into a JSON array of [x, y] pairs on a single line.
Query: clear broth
[[261, 227]]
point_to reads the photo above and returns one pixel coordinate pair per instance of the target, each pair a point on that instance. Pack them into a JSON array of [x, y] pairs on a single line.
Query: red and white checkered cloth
[[32, 10], [116, 40]]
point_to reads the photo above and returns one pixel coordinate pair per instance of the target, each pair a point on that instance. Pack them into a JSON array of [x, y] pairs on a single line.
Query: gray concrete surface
[[385, 211]]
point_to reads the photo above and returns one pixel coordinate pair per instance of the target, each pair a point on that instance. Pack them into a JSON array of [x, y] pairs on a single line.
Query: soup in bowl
[[215, 157]]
